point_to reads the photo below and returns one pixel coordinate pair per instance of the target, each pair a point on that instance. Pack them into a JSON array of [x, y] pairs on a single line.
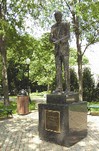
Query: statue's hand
[[56, 41]]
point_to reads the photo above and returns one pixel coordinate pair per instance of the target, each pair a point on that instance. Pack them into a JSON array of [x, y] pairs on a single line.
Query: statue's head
[[58, 16]]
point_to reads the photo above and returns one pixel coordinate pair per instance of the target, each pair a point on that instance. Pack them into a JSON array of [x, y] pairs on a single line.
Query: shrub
[[97, 92], [88, 85], [73, 80]]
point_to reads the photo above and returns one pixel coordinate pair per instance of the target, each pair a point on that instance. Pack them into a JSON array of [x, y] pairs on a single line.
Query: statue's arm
[[66, 36], [68, 30], [52, 37]]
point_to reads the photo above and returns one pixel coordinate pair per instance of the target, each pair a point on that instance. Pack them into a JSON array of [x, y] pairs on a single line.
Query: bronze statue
[[60, 34]]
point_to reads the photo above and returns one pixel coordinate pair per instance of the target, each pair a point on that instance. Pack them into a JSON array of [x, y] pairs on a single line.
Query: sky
[[93, 55]]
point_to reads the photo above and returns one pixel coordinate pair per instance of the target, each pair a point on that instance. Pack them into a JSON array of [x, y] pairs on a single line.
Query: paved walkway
[[20, 133]]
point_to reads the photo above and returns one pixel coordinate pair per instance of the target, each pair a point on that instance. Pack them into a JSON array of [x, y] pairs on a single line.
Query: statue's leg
[[66, 72], [58, 73]]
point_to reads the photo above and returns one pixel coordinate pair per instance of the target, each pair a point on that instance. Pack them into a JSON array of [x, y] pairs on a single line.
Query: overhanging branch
[[92, 42]]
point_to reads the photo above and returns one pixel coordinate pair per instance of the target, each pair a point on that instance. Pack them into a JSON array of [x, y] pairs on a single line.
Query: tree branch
[[92, 42]]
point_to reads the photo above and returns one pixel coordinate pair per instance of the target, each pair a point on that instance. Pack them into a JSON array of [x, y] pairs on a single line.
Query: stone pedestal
[[61, 122]]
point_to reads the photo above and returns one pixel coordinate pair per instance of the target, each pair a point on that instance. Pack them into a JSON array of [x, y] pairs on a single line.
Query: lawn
[[13, 103], [32, 105], [94, 111], [13, 106]]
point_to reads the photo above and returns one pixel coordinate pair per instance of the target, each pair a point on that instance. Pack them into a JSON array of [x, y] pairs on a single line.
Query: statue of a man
[[60, 34]]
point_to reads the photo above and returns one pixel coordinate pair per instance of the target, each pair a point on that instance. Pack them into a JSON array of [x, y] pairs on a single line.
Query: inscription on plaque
[[52, 121]]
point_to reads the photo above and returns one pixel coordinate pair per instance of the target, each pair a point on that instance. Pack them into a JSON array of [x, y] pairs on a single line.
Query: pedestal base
[[63, 124]]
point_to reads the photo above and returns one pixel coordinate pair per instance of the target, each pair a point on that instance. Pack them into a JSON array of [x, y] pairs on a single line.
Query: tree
[[3, 52], [42, 66], [73, 80], [19, 49], [43, 70], [97, 92], [73, 58], [12, 15], [88, 85], [84, 18], [43, 62], [82, 30]]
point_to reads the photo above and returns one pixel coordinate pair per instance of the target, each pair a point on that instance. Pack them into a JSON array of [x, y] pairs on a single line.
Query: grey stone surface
[[20, 133], [66, 123], [62, 98]]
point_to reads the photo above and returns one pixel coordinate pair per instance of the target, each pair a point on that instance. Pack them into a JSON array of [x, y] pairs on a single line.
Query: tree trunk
[[4, 58], [4, 75], [79, 54], [80, 70], [48, 87]]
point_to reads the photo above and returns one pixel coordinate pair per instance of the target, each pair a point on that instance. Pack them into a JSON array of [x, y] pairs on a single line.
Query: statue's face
[[58, 18]]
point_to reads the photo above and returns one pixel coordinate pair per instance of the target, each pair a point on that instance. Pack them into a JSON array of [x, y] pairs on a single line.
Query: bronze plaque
[[52, 121]]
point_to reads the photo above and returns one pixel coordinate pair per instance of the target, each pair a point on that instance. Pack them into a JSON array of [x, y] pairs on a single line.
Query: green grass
[[13, 103], [94, 111], [93, 103], [39, 94], [32, 106], [13, 106]]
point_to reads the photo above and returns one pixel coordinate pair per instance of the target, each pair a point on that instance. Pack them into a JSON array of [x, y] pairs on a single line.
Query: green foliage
[[21, 48], [13, 106], [88, 85], [73, 80], [43, 62], [16, 11], [0, 70], [97, 92], [42, 65], [73, 58], [87, 12], [94, 111]]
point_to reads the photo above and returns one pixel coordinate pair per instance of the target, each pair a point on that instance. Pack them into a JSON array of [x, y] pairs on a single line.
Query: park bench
[[89, 107], [7, 111]]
